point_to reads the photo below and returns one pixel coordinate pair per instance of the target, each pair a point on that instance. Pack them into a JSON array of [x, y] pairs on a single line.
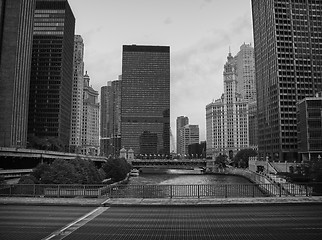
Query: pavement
[[131, 202]]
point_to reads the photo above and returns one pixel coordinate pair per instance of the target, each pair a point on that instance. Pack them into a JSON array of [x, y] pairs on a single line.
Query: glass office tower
[[145, 107], [288, 53], [16, 24], [52, 71]]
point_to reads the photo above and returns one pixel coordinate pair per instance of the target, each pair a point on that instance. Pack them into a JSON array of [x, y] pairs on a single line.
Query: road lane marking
[[65, 231]]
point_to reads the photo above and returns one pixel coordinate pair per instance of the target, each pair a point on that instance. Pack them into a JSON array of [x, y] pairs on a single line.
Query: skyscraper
[[110, 142], [145, 111], [245, 63], [288, 53], [227, 117], [77, 100], [90, 124], [189, 134], [181, 122], [309, 128], [16, 26], [52, 71]]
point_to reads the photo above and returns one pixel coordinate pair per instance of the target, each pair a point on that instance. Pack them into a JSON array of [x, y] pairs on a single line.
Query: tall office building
[[288, 53], [110, 142], [16, 26], [189, 134], [181, 122], [245, 64], [77, 100], [90, 124], [309, 128], [51, 78], [145, 111], [227, 117]]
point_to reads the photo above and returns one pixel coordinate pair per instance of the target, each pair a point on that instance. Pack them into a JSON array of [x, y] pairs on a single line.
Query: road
[[165, 222]]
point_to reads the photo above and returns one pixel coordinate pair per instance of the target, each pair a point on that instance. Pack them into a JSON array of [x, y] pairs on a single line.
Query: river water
[[183, 177], [160, 183]]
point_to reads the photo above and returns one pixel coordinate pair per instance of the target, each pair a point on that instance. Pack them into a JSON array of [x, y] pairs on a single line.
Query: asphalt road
[[166, 222]]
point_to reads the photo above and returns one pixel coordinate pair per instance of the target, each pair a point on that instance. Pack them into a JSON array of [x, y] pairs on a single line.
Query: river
[[182, 177]]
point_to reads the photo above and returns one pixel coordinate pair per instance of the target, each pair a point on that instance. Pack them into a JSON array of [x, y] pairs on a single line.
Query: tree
[[77, 171], [221, 160], [242, 157], [116, 169]]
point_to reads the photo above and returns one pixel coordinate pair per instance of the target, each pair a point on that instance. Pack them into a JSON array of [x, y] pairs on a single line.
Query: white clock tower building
[[227, 117]]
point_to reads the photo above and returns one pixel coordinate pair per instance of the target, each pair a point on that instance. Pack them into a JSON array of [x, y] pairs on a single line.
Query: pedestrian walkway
[[157, 201]]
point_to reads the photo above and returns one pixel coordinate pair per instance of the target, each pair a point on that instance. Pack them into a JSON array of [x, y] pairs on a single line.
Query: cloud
[[196, 77], [167, 21]]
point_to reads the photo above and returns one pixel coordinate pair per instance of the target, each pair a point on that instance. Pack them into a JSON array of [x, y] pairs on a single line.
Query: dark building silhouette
[[52, 70], [145, 96], [16, 26], [148, 143], [309, 128], [288, 53]]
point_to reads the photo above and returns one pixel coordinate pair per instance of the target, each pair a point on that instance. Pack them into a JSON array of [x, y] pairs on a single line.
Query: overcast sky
[[199, 33]]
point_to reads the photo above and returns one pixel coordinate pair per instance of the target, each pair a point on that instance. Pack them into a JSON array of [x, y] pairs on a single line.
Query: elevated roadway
[[166, 163], [43, 154]]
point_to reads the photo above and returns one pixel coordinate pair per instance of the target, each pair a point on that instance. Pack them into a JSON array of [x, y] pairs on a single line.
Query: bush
[[76, 171], [116, 169]]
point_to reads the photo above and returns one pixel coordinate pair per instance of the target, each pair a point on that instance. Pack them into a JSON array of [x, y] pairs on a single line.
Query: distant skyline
[[199, 33]]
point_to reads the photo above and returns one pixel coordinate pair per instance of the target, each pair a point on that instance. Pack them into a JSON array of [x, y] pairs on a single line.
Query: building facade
[[77, 97], [181, 122], [145, 110], [227, 117], [16, 32], [288, 53], [51, 78], [309, 128], [90, 124], [110, 141], [189, 134], [245, 69]]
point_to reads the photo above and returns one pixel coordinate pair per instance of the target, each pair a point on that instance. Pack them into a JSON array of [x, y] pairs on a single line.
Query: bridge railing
[[214, 190], [54, 190], [162, 191]]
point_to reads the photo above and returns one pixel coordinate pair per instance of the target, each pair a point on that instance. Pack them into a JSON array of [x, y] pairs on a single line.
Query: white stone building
[[77, 95]]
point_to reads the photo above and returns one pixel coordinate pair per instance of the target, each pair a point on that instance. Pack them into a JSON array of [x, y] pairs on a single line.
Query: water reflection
[[182, 177]]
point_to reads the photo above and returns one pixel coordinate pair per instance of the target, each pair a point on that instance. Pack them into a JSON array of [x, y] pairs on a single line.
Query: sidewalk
[[95, 202]]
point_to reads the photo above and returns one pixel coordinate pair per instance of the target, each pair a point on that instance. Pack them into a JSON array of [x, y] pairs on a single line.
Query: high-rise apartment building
[[288, 53], [227, 117], [51, 78], [90, 124], [16, 29], [145, 111], [181, 122], [189, 134], [77, 97], [110, 142]]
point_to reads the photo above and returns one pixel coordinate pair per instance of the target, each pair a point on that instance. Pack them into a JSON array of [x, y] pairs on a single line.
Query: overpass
[[175, 163], [22, 153]]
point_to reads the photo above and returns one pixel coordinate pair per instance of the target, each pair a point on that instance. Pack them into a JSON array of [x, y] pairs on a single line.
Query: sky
[[199, 33]]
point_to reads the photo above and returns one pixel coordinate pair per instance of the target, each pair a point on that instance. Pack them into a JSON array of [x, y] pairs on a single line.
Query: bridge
[[22, 153], [175, 163], [14, 173]]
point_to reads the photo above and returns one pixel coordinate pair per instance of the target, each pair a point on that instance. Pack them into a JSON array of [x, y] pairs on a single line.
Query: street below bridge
[[161, 222]]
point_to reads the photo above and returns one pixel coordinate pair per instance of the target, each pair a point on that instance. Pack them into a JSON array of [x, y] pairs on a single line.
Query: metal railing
[[54, 190], [163, 191]]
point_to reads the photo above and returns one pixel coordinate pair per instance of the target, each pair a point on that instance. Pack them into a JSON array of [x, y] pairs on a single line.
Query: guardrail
[[162, 191], [54, 190]]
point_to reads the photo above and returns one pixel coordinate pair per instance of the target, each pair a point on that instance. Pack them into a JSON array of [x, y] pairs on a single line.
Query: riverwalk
[[95, 202]]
